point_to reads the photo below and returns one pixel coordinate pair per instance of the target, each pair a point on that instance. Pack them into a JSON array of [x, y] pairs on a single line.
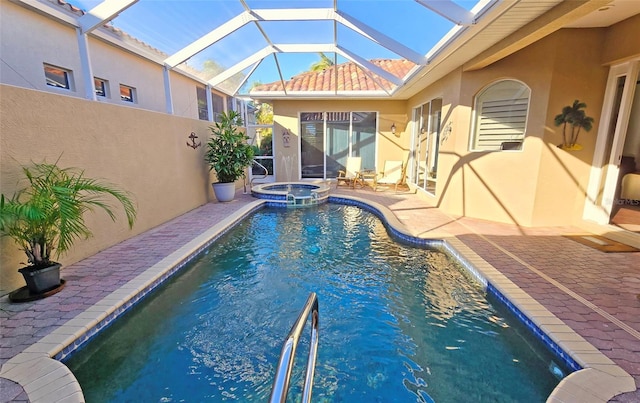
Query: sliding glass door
[[328, 138], [426, 145]]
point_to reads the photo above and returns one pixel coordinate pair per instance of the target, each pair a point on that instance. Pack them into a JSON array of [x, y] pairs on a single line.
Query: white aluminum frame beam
[[238, 67], [367, 65], [103, 12], [304, 48], [379, 38], [209, 39], [311, 14], [450, 10], [85, 65]]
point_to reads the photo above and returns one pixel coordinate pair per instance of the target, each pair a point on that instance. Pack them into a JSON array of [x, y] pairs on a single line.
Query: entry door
[[618, 141]]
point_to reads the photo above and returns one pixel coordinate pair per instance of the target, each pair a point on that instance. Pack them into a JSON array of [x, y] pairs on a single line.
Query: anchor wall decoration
[[193, 144]]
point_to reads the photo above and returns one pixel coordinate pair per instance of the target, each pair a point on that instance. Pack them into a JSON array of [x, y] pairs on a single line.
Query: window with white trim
[[203, 107], [58, 77], [127, 94], [218, 105], [101, 87], [500, 116]]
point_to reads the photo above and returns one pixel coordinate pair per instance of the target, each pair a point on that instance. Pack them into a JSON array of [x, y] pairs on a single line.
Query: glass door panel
[[312, 145], [363, 138], [433, 144], [426, 144], [337, 142]]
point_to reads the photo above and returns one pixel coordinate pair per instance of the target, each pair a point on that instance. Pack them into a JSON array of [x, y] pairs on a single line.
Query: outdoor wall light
[[393, 128]]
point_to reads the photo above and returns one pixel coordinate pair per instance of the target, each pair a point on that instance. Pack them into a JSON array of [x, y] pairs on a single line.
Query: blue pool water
[[397, 323]]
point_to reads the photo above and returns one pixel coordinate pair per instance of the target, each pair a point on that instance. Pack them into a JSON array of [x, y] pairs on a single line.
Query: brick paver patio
[[595, 293]]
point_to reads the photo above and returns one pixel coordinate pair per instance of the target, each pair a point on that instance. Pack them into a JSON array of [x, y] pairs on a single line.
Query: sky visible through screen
[[170, 25]]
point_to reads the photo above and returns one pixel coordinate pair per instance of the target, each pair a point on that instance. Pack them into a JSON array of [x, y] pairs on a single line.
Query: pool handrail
[[264, 175], [287, 355]]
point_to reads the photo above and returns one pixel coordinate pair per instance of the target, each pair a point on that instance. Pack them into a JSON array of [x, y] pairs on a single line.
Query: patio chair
[[392, 174], [350, 175]]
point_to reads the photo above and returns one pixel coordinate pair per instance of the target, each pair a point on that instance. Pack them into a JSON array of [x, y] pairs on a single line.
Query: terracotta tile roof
[[350, 77]]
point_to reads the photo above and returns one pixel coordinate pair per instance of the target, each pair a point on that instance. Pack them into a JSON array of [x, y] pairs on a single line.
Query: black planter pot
[[41, 279]]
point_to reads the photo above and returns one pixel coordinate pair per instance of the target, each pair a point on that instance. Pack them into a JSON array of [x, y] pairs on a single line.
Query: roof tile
[[350, 77]]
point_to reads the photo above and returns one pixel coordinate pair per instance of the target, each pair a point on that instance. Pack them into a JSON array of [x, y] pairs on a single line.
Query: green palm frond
[[48, 214]]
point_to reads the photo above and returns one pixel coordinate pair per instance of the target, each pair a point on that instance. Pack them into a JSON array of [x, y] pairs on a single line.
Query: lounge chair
[[392, 174], [350, 175]]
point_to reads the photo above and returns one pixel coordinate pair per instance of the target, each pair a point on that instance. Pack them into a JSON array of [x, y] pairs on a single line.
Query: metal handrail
[[266, 173], [285, 366]]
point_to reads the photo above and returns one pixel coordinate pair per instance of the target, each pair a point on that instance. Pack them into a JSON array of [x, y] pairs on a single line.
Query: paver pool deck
[[595, 294]]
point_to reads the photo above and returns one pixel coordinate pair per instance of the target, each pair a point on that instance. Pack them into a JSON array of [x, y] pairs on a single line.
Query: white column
[[85, 65], [208, 89], [167, 90]]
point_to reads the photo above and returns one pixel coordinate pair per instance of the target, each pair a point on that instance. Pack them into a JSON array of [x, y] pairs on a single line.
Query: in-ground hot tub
[[292, 194]]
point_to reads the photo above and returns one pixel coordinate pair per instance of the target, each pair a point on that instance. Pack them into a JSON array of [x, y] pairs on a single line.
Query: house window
[[500, 116], [203, 107], [100, 87], [57, 76], [231, 104], [218, 105], [127, 94]]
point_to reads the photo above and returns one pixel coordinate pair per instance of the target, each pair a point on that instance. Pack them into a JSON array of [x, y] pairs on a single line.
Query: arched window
[[500, 116]]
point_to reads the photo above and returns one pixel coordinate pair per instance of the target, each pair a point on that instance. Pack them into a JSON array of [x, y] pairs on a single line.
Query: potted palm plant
[[574, 118], [48, 215], [228, 154]]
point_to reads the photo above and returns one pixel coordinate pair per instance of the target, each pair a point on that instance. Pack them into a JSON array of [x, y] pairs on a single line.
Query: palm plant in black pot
[[47, 215]]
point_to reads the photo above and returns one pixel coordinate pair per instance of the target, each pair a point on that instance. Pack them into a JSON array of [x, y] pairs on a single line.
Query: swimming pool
[[397, 323]]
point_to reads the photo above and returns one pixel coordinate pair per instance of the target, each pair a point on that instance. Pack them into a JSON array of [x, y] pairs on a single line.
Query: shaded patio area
[[595, 293]]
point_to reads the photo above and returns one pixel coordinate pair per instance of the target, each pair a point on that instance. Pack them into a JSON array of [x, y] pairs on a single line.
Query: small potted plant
[[48, 215], [228, 154], [574, 118]]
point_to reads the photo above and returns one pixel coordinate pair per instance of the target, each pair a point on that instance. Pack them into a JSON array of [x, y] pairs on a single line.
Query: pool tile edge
[[595, 368]]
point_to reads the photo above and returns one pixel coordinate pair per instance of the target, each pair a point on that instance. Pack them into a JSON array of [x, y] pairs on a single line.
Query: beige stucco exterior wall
[[621, 41], [141, 151], [286, 117], [564, 175], [131, 70], [540, 185], [36, 39], [498, 186]]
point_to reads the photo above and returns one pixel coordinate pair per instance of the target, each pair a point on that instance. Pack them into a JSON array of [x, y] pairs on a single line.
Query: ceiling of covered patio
[[366, 49]]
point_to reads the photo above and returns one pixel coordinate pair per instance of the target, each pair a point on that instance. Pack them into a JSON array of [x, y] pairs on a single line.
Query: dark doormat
[[601, 243]]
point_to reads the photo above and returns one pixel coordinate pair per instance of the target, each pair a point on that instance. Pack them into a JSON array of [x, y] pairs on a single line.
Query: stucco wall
[[497, 186], [621, 41], [36, 39], [540, 185], [564, 174], [141, 151]]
